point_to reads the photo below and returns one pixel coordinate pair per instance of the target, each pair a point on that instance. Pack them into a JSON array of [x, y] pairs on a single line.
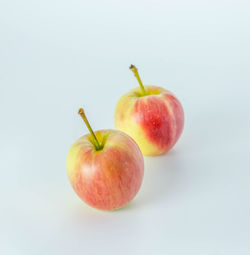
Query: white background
[[57, 55]]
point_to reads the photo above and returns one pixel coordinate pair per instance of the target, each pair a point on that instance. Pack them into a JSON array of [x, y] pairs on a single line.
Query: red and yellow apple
[[152, 116], [105, 168]]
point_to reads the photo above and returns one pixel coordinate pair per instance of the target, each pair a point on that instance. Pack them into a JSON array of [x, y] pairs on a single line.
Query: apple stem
[[96, 143], [135, 71]]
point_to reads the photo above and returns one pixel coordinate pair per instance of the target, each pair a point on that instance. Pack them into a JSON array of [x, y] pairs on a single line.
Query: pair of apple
[[106, 168]]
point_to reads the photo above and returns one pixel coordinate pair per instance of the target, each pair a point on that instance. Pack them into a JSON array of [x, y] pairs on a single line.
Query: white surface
[[56, 56]]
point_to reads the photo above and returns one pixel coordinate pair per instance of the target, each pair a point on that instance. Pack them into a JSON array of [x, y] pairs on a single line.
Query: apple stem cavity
[[95, 141], [135, 71]]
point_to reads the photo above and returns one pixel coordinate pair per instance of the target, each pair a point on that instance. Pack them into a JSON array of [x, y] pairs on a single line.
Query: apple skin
[[109, 178], [155, 121]]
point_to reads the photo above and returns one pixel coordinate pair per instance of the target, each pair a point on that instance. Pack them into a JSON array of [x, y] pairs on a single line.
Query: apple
[[105, 168], [151, 115]]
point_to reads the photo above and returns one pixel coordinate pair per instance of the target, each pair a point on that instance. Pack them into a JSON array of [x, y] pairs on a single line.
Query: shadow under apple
[[162, 178]]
